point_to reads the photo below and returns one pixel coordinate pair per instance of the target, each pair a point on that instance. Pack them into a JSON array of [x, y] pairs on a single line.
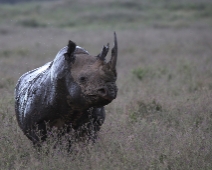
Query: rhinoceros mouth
[[96, 101], [92, 97]]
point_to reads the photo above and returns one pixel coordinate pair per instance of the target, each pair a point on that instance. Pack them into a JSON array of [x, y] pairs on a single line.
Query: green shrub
[[140, 73], [144, 110]]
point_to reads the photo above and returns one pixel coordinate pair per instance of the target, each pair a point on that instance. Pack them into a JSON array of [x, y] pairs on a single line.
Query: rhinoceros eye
[[82, 79]]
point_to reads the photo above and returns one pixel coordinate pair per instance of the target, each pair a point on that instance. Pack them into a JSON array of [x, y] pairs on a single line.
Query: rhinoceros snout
[[106, 93]]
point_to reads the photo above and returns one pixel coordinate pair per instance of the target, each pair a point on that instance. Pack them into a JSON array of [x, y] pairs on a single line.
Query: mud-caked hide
[[70, 91]]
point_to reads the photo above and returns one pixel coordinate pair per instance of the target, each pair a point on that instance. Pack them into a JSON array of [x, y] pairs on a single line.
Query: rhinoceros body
[[70, 91]]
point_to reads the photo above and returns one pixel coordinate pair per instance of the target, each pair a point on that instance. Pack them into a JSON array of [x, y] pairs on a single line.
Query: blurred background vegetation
[[162, 117], [101, 14]]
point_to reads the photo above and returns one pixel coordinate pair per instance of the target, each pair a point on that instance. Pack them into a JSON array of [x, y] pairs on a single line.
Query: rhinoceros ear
[[69, 55]]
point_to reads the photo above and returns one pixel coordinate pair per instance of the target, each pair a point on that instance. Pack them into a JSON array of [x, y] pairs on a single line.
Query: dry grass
[[162, 117]]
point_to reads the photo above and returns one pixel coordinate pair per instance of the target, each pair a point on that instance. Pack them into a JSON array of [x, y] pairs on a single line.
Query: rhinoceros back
[[27, 90]]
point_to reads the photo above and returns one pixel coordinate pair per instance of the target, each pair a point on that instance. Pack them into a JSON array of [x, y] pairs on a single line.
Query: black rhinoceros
[[70, 91]]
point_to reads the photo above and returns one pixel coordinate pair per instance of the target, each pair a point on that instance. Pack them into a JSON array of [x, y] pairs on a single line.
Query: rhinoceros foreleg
[[91, 124], [37, 134]]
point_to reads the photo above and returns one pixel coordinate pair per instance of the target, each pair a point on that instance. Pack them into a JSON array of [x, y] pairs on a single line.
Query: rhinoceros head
[[93, 79]]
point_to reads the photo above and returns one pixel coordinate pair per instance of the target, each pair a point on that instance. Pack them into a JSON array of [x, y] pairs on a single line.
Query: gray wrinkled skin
[[57, 95]]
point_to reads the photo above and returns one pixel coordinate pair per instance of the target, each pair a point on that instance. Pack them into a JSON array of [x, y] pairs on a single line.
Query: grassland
[[162, 117]]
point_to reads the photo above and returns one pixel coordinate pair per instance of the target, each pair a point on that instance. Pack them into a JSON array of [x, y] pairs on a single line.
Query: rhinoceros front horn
[[114, 54]]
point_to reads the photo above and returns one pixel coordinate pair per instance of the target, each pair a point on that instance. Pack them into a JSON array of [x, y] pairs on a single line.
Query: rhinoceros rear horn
[[69, 56], [104, 52]]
